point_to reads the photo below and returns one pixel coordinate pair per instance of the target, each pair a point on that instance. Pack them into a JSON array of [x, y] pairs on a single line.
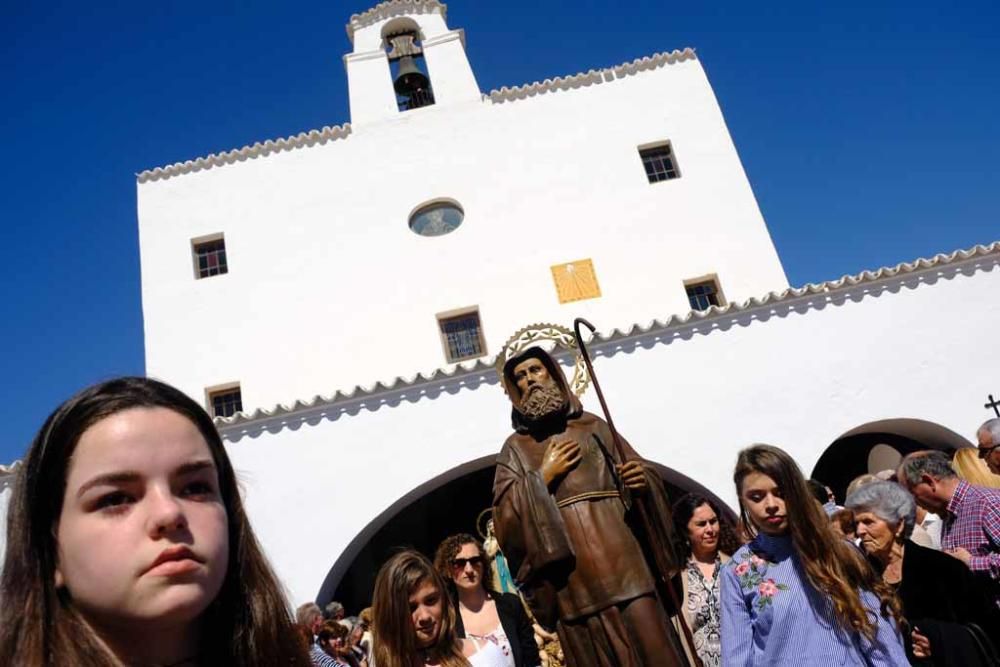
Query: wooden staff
[[657, 550]]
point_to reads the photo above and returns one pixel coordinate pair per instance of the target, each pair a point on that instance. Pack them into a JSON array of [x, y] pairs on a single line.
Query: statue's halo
[[538, 335]]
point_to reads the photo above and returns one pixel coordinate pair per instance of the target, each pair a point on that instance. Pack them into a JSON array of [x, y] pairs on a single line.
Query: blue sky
[[869, 132]]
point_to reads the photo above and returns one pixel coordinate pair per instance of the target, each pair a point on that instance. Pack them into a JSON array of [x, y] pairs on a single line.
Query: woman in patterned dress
[[796, 594], [707, 545], [484, 614]]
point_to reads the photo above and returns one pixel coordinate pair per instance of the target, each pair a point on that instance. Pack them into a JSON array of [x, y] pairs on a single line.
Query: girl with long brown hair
[[796, 593], [413, 620], [127, 543]]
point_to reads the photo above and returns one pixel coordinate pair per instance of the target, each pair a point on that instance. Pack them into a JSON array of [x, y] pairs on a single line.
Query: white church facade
[[339, 299]]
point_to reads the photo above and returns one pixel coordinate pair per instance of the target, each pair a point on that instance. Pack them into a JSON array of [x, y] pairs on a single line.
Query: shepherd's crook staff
[[655, 549]]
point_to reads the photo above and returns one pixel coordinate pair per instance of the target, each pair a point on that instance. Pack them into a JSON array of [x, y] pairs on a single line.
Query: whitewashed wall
[[328, 288], [798, 373]]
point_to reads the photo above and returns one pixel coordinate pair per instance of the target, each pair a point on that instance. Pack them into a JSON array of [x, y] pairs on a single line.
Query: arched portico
[[421, 518], [880, 445]]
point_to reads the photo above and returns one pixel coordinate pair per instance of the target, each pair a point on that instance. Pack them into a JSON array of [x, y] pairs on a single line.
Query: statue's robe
[[572, 549]]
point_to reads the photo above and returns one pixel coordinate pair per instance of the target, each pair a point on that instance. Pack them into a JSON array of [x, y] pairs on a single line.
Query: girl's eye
[[115, 501], [200, 488]]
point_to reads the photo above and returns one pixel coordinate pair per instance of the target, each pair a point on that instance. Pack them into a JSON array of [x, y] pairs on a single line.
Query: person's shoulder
[[991, 495], [741, 555], [932, 559], [508, 453], [982, 499], [508, 601]]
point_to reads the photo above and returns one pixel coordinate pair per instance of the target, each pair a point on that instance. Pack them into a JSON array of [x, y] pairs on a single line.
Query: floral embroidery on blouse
[[751, 575]]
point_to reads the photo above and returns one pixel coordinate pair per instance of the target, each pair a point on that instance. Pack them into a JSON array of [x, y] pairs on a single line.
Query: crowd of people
[[128, 544]]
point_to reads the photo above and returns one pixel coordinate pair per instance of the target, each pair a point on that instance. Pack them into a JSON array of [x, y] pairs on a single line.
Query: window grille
[[703, 295], [210, 258], [659, 163], [226, 402], [463, 337]]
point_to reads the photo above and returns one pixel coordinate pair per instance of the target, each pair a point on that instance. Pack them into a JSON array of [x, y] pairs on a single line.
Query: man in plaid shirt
[[971, 514]]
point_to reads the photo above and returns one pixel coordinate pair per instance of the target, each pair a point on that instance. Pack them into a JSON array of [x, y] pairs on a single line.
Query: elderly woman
[[951, 621]]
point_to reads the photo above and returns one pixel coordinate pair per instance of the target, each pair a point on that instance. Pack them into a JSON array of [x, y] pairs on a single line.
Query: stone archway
[[421, 518], [880, 445]]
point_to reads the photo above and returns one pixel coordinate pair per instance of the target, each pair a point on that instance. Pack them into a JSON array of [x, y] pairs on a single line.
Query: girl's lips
[[174, 560], [174, 567]]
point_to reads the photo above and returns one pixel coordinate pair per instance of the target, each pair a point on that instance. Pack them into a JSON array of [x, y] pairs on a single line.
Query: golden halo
[[481, 525], [533, 334]]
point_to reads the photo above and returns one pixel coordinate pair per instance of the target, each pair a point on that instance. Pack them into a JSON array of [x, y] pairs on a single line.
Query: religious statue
[[561, 500]]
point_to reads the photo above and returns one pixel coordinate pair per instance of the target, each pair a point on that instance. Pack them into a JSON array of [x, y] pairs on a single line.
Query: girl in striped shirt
[[796, 593]]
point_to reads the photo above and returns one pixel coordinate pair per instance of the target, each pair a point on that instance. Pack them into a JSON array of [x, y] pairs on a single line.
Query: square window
[[209, 257], [462, 335], [659, 163], [225, 402], [704, 293]]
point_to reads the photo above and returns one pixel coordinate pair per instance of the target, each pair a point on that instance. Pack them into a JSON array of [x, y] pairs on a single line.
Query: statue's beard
[[541, 401]]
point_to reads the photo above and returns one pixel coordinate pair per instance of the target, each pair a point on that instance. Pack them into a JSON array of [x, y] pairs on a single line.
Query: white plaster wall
[[328, 288], [5, 491], [798, 374]]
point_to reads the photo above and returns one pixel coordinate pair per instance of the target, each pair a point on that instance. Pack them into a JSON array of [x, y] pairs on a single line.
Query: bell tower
[[405, 58]]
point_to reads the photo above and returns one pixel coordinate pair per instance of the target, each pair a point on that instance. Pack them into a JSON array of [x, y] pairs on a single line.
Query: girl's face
[[764, 503], [142, 535], [426, 610], [467, 567], [703, 530]]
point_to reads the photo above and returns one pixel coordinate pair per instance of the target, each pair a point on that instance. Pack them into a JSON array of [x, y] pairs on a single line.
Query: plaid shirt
[[973, 523]]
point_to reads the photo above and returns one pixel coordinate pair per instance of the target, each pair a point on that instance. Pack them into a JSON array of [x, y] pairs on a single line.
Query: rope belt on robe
[[590, 495]]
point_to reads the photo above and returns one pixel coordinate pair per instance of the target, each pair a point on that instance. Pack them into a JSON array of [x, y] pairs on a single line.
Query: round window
[[437, 219]]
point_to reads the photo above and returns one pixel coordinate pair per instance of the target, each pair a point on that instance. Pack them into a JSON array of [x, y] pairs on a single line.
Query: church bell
[[409, 79]]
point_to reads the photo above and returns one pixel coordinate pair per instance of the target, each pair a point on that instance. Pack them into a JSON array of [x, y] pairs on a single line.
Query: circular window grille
[[437, 219]]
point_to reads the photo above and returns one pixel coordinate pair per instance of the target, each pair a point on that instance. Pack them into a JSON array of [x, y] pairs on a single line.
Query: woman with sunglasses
[[485, 614]]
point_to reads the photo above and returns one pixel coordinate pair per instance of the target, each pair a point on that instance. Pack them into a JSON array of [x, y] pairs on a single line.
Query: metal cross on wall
[[993, 403]]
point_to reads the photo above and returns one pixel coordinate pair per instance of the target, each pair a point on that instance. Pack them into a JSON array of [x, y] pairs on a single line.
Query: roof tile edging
[[332, 133], [672, 322], [302, 139], [592, 77], [390, 8]]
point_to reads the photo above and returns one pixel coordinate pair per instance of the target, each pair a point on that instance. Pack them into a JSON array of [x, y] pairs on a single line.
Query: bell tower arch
[[405, 57]]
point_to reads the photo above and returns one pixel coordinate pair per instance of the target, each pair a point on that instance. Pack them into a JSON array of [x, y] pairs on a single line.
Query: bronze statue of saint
[[561, 498]]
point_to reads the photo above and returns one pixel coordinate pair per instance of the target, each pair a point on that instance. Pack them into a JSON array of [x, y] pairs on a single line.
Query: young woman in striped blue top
[[796, 593]]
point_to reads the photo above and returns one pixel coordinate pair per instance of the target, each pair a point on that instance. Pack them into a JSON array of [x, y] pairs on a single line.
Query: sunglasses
[[460, 563], [985, 451]]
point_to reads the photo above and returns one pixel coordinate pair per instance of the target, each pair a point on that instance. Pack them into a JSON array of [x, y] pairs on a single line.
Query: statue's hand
[[633, 477], [560, 457]]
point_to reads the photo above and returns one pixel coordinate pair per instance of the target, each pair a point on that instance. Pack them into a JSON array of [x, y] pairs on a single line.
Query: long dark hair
[[394, 642], [248, 623], [831, 565], [684, 509]]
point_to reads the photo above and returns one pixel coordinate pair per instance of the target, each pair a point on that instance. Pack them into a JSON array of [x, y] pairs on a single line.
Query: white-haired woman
[[951, 619]]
